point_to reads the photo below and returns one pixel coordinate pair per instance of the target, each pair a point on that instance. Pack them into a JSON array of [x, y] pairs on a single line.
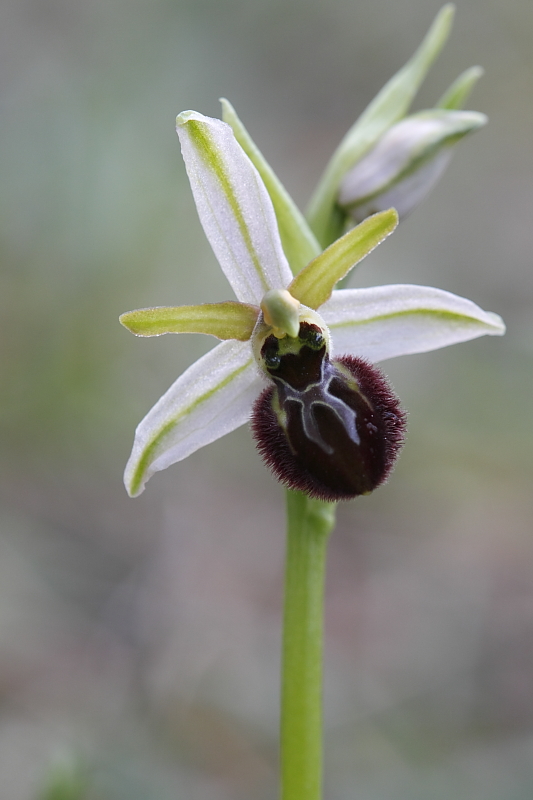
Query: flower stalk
[[309, 524]]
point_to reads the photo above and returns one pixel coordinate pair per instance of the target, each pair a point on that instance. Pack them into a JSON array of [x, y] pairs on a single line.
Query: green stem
[[309, 523]]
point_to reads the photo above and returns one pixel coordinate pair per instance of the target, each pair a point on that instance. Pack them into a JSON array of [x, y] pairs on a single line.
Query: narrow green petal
[[314, 284], [390, 105], [299, 242], [224, 320], [457, 94]]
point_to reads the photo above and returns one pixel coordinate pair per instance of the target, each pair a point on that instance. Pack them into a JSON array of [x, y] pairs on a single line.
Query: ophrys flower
[[216, 394]]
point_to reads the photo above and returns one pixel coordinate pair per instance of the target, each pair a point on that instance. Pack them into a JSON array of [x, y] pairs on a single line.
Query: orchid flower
[[276, 316]]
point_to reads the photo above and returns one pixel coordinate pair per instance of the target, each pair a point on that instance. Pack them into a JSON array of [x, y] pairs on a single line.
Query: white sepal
[[234, 207], [387, 321], [213, 397]]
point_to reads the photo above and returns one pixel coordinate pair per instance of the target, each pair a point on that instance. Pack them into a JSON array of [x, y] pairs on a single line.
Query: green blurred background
[[139, 639]]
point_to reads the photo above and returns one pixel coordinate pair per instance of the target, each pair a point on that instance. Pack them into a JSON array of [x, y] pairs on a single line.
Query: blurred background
[[140, 639]]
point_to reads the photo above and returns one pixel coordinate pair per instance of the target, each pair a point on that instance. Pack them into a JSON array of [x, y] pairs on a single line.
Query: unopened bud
[[405, 163]]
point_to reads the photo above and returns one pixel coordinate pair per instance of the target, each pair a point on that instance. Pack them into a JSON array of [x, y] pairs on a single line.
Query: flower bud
[[405, 163]]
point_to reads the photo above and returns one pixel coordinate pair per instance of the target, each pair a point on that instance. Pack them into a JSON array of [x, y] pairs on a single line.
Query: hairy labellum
[[330, 428]]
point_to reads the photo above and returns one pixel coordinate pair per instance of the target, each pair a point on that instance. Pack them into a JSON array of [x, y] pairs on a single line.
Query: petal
[[456, 95], [299, 242], [224, 320], [234, 207], [390, 105], [387, 321], [213, 397], [314, 284]]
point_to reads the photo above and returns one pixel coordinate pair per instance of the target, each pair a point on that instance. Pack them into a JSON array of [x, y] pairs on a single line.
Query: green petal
[[456, 95], [314, 284], [390, 105], [299, 242], [224, 320]]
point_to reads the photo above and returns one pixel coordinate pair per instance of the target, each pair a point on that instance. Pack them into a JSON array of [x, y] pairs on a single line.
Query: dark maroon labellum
[[330, 428]]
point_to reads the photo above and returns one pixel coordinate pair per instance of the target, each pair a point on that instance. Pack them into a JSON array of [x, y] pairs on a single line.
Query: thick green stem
[[309, 523]]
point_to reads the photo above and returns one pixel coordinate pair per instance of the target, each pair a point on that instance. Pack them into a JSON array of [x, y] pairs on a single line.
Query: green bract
[[215, 395]]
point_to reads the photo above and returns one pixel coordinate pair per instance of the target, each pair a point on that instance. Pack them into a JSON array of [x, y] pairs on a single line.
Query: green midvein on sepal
[[213, 160], [299, 242], [135, 482], [315, 283], [229, 320]]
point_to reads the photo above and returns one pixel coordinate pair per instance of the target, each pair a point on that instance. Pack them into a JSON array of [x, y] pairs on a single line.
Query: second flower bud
[[405, 163]]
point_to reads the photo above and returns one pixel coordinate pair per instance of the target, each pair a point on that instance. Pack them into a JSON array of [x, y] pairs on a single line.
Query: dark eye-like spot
[[272, 360], [315, 339], [311, 335], [270, 353]]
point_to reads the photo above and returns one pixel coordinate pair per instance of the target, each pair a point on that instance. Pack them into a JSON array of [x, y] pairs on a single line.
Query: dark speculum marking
[[330, 428]]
